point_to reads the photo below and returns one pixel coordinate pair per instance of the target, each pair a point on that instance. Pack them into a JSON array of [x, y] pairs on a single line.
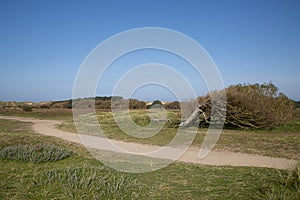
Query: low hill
[[100, 103]]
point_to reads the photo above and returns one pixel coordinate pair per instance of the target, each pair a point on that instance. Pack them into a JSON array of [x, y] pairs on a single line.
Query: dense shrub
[[172, 105], [68, 104], [27, 108], [108, 103], [253, 106], [44, 106], [297, 104], [136, 104], [155, 104]]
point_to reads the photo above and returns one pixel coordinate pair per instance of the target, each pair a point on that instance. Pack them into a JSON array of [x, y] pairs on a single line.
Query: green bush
[[44, 106], [136, 104], [27, 108], [35, 154], [68, 104], [175, 105], [155, 104]]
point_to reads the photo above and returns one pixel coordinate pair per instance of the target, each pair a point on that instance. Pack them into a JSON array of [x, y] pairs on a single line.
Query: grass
[[200, 182], [72, 178], [293, 126], [81, 177], [282, 142], [85, 182], [34, 153], [39, 113], [38, 167], [283, 145], [287, 187], [14, 133]]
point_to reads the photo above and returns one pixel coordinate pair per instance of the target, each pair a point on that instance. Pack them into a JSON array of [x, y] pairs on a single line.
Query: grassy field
[[281, 142], [39, 113], [79, 176]]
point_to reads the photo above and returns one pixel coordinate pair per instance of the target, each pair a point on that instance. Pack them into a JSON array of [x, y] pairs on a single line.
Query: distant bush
[[253, 106], [44, 106], [297, 104], [155, 104], [120, 103], [172, 105], [136, 104], [27, 108], [36, 154], [68, 104]]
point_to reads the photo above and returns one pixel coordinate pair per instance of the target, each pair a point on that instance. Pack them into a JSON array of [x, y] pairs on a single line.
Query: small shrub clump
[[35, 154]]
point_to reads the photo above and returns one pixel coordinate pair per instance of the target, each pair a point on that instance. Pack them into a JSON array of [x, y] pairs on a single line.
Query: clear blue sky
[[43, 43]]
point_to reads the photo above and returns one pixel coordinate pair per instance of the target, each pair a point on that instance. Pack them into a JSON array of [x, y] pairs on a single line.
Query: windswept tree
[[249, 106], [257, 106]]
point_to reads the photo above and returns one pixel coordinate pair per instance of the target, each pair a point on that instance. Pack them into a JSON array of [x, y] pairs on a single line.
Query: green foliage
[[140, 120], [156, 104], [175, 105], [27, 108], [44, 106], [107, 103], [68, 104], [297, 104], [35, 154], [136, 104], [110, 98], [174, 119]]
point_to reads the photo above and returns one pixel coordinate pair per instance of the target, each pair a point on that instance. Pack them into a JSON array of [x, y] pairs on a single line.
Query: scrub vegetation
[[260, 121]]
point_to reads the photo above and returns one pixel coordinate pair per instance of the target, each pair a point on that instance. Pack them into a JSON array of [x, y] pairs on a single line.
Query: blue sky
[[43, 43]]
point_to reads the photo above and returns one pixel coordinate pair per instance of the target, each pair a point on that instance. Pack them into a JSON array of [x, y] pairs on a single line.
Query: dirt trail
[[223, 158]]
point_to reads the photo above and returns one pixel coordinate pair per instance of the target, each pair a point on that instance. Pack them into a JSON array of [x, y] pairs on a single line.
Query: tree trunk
[[194, 116]]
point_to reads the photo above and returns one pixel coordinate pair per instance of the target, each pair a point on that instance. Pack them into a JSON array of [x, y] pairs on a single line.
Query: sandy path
[[224, 158]]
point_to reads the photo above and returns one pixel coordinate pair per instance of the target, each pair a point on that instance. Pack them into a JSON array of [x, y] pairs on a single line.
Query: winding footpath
[[214, 158]]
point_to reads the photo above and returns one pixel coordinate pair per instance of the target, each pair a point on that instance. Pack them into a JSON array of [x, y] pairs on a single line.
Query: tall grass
[[87, 182], [287, 187], [36, 154]]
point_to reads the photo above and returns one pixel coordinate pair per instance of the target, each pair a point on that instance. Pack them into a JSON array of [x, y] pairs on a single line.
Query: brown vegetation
[[252, 106]]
